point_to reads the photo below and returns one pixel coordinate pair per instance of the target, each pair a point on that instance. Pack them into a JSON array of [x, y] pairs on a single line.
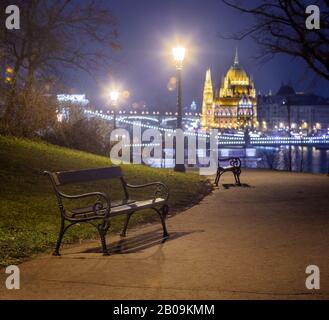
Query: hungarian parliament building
[[234, 105], [237, 106]]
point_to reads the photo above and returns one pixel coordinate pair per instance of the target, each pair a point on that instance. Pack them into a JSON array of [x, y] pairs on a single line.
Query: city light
[[73, 98], [114, 96], [179, 56], [227, 139]]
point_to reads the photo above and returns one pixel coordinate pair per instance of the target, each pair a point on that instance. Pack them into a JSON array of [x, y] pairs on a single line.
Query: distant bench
[[234, 167], [101, 209]]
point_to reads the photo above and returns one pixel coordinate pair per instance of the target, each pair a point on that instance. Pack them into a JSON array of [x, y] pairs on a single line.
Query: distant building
[[193, 108], [307, 111], [66, 101], [73, 99], [235, 105]]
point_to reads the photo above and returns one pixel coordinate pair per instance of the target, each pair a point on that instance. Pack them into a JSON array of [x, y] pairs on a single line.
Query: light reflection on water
[[310, 160], [303, 159]]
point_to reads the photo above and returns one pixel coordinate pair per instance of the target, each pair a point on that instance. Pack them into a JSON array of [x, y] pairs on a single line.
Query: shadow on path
[[142, 242], [243, 185]]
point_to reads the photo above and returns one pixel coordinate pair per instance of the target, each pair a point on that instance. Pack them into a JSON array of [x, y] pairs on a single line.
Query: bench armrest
[[102, 202], [161, 190], [234, 161]]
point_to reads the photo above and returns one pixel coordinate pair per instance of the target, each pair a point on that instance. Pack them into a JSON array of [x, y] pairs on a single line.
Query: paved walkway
[[249, 242]]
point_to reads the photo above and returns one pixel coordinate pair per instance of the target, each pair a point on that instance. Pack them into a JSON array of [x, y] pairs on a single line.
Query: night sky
[[147, 31]]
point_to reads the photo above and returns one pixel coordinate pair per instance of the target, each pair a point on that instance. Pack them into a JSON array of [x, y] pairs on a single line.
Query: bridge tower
[[208, 102]]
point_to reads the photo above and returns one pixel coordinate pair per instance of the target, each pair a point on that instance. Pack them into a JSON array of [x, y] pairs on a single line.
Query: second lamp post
[[114, 96], [179, 55]]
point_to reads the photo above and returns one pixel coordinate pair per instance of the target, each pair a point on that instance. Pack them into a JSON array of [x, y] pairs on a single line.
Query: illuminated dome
[[237, 83], [236, 74]]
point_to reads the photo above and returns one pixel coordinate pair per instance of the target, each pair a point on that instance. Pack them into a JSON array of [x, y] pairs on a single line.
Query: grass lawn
[[29, 217]]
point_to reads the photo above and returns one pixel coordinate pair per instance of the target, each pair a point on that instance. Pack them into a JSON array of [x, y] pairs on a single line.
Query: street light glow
[[114, 95], [179, 54]]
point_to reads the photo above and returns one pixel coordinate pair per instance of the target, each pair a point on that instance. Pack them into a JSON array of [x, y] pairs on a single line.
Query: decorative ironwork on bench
[[234, 167], [101, 209]]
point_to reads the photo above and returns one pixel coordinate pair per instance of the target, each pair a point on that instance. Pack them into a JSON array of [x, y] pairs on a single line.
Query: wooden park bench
[[100, 208], [234, 167]]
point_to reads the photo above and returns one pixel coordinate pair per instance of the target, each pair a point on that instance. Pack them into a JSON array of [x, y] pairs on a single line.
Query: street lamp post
[[114, 96], [286, 102], [179, 55]]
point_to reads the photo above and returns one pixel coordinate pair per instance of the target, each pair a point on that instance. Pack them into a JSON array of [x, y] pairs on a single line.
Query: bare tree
[[54, 36], [279, 28]]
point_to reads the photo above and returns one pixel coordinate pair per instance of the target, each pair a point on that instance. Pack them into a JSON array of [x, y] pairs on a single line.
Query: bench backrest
[[68, 177]]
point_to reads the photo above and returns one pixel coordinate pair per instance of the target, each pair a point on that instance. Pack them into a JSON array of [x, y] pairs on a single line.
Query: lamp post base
[[180, 168]]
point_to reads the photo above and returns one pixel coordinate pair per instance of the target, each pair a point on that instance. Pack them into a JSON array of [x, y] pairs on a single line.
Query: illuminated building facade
[[235, 105], [66, 101], [74, 99], [308, 112]]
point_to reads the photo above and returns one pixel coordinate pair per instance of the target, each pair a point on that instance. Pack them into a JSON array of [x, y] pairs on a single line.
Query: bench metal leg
[[102, 230], [238, 179], [217, 178], [60, 238], [163, 215], [124, 231]]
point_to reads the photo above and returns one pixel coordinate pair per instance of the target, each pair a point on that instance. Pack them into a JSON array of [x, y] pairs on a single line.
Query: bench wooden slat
[[67, 177], [118, 209], [138, 205], [114, 204]]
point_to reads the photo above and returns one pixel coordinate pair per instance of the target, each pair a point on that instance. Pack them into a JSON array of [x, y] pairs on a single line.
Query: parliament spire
[[236, 58]]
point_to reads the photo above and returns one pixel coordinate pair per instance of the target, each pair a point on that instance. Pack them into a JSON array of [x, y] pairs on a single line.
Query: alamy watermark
[[13, 280], [176, 147], [313, 20], [13, 19], [313, 280]]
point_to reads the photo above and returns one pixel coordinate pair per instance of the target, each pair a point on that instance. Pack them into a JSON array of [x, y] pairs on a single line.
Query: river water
[[304, 159]]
